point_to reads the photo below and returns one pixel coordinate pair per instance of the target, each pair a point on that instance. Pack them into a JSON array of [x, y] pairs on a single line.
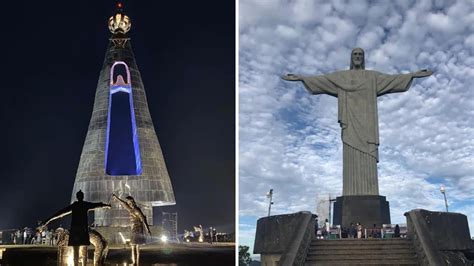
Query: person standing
[[397, 231], [214, 234], [316, 226], [138, 224], [25, 236], [28, 236], [43, 236], [327, 227], [19, 236], [352, 231], [359, 230], [79, 231], [377, 232], [211, 235]]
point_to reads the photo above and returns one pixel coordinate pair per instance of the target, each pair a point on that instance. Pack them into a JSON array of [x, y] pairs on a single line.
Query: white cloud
[[370, 38], [442, 22], [290, 140], [286, 32]]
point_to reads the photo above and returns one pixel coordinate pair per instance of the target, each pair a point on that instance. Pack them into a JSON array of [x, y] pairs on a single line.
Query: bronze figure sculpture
[[138, 223]]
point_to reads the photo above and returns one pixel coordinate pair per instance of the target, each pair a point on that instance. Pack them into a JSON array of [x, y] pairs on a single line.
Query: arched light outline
[[128, 89]]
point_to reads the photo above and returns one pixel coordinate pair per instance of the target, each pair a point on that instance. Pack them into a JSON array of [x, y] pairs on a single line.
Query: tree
[[244, 256]]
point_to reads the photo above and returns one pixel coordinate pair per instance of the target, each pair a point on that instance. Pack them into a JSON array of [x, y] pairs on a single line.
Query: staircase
[[397, 251]]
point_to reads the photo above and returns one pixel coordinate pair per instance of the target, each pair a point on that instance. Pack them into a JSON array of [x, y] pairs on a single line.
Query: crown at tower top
[[119, 23]]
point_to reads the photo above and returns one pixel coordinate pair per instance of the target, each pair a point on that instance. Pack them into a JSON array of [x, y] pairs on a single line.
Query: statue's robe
[[357, 92]]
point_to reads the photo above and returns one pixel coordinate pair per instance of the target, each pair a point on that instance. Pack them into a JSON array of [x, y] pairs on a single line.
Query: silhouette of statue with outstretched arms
[[79, 231]]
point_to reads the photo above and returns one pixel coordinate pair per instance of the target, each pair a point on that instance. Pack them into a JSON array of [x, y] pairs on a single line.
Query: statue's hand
[[41, 228], [422, 73], [291, 77]]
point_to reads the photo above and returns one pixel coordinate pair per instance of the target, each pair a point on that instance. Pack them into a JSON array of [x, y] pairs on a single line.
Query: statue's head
[[130, 201], [357, 59], [80, 195]]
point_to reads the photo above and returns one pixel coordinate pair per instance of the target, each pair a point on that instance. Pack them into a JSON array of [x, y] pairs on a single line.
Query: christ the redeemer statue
[[357, 90]]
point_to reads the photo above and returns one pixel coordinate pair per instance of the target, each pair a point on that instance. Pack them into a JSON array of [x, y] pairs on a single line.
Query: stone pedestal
[[367, 210], [66, 255]]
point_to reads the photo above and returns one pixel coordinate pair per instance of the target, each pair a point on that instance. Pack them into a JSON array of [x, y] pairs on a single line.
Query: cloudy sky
[[290, 140]]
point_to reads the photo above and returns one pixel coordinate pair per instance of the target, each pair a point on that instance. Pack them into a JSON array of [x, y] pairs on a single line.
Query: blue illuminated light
[[122, 152]]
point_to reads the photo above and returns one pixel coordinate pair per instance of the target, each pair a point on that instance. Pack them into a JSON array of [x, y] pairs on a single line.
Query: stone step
[[361, 252], [405, 251], [365, 243], [349, 242], [347, 247], [376, 262], [360, 258]]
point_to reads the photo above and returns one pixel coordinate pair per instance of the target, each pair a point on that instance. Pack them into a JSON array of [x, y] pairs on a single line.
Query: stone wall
[[280, 237], [440, 238]]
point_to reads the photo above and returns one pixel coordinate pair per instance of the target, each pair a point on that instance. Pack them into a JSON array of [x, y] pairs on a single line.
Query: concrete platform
[[160, 254]]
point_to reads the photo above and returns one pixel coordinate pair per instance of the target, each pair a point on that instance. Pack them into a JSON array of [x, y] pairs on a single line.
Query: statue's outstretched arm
[[291, 77], [319, 84], [422, 73], [99, 205], [57, 215], [123, 203]]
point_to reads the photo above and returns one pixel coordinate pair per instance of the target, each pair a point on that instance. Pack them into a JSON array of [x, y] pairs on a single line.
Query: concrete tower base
[[367, 210]]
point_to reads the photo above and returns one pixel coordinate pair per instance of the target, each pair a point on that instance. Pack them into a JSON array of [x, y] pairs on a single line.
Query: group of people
[[357, 231], [354, 231], [198, 235], [212, 236], [28, 236]]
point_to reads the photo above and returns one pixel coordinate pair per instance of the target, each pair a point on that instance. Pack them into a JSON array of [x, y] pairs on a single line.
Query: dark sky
[[52, 52]]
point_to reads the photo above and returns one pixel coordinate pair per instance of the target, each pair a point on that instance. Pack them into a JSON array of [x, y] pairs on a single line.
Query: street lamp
[[442, 189], [330, 207], [270, 196]]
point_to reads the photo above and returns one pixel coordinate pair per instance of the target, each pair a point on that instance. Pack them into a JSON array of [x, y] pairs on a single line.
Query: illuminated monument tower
[[121, 153]]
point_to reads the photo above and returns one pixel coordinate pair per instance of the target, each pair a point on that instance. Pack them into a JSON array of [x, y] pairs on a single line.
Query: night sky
[[51, 57]]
